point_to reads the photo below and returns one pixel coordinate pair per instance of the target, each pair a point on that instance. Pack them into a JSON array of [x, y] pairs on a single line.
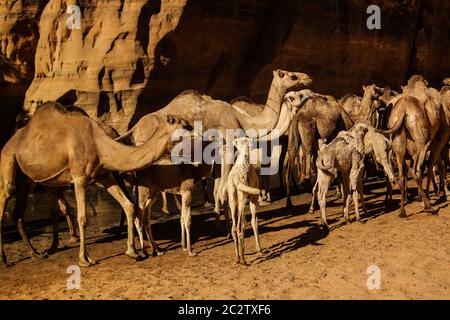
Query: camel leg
[[207, 203], [3, 201], [80, 194], [417, 175], [217, 200], [322, 199], [346, 198], [288, 174], [64, 209], [164, 208], [355, 194], [399, 145], [314, 195], [186, 219], [233, 210], [148, 230], [117, 193], [242, 199], [253, 202], [24, 188], [140, 217]]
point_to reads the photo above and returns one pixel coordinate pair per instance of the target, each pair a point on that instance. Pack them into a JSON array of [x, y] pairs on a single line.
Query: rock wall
[[131, 57]]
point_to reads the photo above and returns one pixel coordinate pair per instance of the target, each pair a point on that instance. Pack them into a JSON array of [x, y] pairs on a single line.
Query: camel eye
[[294, 77]]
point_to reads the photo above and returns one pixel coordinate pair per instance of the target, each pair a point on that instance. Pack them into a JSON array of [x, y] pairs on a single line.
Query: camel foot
[[192, 254], [208, 205], [165, 210], [402, 214], [158, 252], [244, 263], [431, 210], [38, 256], [5, 262], [326, 228], [289, 203], [229, 236], [131, 253], [86, 261], [73, 239], [264, 203]]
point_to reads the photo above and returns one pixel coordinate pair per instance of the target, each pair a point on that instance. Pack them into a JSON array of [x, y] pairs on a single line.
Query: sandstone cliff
[[130, 57]]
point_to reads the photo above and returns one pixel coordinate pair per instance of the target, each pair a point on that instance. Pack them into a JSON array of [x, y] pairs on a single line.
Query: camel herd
[[325, 138]]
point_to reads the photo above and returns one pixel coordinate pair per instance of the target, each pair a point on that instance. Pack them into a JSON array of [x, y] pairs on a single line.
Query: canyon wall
[[131, 57]]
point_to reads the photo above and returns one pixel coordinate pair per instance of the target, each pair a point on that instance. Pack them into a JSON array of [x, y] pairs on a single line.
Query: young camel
[[59, 148], [176, 179], [344, 156], [242, 186]]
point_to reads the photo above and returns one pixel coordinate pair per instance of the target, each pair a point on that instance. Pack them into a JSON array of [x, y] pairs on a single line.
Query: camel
[[344, 156], [291, 103], [242, 186], [61, 147], [220, 115], [165, 176], [322, 116], [318, 117], [360, 110], [414, 122], [60, 206], [439, 121]]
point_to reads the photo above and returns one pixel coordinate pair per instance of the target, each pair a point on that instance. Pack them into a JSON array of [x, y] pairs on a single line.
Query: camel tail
[[243, 188], [322, 167], [396, 128]]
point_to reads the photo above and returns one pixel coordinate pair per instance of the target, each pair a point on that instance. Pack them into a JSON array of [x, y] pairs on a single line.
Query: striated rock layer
[[131, 57]]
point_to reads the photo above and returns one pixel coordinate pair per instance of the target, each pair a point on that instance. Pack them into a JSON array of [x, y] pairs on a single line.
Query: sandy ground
[[301, 261]]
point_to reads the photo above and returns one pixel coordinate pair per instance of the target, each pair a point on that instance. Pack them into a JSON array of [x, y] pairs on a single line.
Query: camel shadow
[[314, 233]]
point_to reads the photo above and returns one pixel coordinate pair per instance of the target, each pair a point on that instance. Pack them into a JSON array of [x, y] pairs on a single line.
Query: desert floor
[[300, 261]]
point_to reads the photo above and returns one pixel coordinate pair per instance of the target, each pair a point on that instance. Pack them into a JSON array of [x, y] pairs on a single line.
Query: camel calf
[[242, 185], [176, 179], [344, 155]]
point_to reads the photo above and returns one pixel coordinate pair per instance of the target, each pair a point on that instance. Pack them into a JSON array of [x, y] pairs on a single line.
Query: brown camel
[[439, 123], [60, 147], [414, 122], [322, 116], [26, 186]]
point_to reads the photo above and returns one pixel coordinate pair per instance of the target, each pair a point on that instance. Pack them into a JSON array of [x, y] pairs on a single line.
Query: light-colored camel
[[344, 156], [59, 148], [220, 115], [242, 186], [291, 102]]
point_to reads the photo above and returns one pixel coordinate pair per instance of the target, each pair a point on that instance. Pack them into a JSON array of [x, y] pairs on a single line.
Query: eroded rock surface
[[131, 57]]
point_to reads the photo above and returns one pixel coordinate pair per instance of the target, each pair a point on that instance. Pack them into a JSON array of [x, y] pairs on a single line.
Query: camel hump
[[241, 99], [60, 108]]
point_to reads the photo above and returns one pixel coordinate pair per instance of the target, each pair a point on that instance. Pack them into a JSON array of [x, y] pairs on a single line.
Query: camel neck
[[366, 107], [115, 156], [268, 118]]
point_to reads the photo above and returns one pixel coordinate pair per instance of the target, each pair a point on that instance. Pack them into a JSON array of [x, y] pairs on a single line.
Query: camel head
[[374, 91], [242, 145], [446, 81], [417, 79], [289, 80], [172, 123], [294, 100]]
